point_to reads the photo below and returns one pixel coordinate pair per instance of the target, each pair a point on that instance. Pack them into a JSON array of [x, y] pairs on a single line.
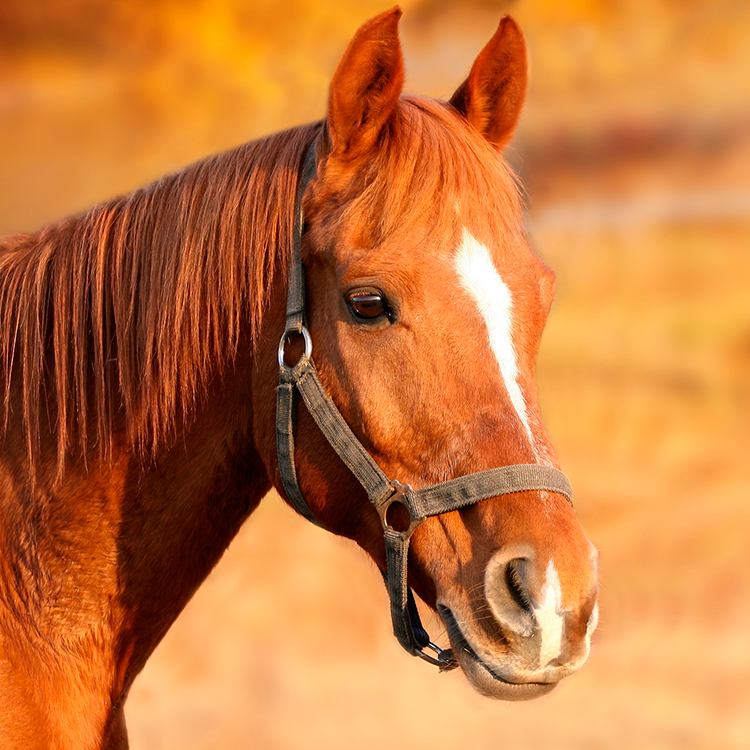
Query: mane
[[127, 310]]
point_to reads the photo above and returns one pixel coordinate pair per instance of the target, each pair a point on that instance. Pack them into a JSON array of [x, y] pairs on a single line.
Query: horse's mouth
[[482, 676]]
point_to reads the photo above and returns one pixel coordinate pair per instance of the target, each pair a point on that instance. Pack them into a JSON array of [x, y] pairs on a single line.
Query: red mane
[[123, 312]]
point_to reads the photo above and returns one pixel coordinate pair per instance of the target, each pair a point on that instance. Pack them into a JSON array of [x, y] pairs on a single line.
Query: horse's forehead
[[388, 227], [436, 249]]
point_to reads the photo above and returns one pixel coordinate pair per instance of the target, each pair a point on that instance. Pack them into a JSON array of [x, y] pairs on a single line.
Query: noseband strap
[[383, 492]]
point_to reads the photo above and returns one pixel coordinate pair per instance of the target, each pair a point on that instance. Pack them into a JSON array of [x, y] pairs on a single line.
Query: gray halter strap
[[383, 492]]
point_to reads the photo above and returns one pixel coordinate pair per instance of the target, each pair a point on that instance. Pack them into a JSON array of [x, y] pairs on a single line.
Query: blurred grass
[[635, 147]]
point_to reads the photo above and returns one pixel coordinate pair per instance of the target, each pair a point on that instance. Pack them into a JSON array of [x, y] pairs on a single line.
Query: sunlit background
[[635, 152]]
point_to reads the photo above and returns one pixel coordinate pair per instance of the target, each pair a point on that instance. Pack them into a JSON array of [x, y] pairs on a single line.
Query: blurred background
[[635, 152]]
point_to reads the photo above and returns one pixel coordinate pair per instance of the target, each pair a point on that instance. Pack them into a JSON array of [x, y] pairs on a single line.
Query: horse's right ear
[[492, 96], [366, 86]]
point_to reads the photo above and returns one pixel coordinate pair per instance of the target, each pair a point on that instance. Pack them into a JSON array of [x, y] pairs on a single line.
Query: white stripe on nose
[[480, 278], [548, 615]]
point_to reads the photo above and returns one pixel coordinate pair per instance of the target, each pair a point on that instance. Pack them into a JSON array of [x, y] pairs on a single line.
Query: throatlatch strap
[[295, 295], [286, 401]]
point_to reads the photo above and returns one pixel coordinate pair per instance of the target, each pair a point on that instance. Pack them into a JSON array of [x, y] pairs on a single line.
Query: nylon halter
[[383, 492]]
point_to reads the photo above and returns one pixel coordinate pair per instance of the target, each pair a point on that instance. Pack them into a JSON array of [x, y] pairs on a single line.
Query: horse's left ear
[[492, 96], [366, 86]]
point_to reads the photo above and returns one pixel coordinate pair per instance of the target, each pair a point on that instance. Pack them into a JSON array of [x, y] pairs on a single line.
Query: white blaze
[[549, 617], [480, 278]]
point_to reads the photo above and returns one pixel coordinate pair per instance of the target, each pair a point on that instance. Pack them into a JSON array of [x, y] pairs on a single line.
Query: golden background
[[635, 150]]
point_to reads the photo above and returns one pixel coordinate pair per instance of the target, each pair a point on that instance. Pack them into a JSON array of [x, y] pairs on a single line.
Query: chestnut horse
[[139, 371]]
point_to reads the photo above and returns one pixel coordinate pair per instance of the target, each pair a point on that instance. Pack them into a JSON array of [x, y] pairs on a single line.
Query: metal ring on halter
[[282, 345], [398, 496]]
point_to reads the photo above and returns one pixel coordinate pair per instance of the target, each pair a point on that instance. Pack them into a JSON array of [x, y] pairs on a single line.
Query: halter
[[382, 491]]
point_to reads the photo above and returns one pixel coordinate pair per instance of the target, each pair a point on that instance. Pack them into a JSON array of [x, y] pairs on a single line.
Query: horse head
[[426, 306]]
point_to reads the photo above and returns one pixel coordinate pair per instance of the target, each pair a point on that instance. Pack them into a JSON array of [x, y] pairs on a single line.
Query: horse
[[145, 417]]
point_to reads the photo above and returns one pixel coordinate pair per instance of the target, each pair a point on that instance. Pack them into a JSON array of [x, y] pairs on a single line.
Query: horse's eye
[[367, 304]]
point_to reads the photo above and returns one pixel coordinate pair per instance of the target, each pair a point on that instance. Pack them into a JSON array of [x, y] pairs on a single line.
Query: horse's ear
[[366, 85], [492, 96]]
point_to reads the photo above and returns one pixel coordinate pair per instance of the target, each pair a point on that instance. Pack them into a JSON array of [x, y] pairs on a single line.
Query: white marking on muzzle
[[480, 278], [549, 617], [593, 620]]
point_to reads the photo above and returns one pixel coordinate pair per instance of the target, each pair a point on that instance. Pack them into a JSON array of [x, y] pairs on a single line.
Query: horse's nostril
[[507, 592], [514, 580]]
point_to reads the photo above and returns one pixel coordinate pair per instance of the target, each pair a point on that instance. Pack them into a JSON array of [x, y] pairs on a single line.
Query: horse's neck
[[120, 548], [95, 568], [179, 514], [141, 533]]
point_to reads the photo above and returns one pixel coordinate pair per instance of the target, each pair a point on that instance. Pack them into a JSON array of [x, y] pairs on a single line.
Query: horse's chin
[[484, 678]]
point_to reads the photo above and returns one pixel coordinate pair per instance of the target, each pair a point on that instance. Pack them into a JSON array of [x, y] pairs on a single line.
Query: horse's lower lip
[[486, 680]]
